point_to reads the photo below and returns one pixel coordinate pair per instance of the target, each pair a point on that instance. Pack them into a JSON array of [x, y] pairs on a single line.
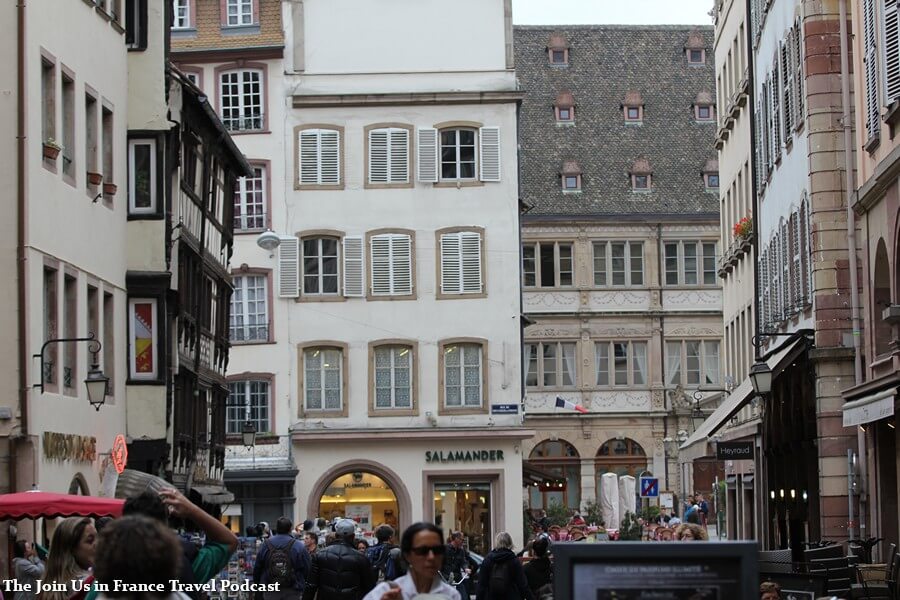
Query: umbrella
[[33, 505]]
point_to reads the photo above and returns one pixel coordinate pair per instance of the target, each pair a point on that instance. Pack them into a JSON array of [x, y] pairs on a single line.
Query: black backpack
[[502, 578], [279, 565]]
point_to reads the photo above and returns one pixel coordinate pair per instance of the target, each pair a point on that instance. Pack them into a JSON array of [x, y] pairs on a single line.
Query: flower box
[[51, 150], [110, 189], [94, 178]]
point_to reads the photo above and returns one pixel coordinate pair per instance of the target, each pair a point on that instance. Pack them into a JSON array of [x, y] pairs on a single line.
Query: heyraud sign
[[734, 451], [434, 456]]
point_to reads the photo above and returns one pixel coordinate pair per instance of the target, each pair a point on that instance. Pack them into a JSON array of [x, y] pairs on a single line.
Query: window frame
[[234, 438], [689, 55], [644, 189], [700, 256], [707, 181], [559, 117], [485, 407], [243, 69], [410, 156], [189, 15], [556, 259], [630, 119], [298, 185], [701, 357], [155, 209], [266, 185], [49, 102], [540, 371], [711, 117], [338, 237], [564, 181], [157, 334], [302, 411], [254, 13], [440, 294], [266, 274], [630, 364], [608, 258], [475, 147], [551, 55], [393, 411]]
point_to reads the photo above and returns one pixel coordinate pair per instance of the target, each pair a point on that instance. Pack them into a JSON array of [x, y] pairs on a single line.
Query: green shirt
[[211, 559]]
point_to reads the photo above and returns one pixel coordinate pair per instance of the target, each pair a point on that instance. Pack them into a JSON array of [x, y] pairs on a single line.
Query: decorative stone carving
[[555, 300], [711, 299], [693, 331], [618, 332], [620, 401], [621, 300], [551, 332], [657, 400]]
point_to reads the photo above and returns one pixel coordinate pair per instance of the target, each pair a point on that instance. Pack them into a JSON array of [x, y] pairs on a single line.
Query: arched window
[[620, 456], [881, 299], [561, 460]]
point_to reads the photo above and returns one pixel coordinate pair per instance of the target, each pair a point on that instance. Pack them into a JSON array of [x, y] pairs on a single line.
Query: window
[[323, 379], [48, 100], [558, 57], [393, 377], [247, 401], [320, 266], [461, 263], [551, 364], [319, 156], [249, 309], [250, 201], [238, 12], [558, 50], [182, 18], [142, 176], [566, 113], [241, 96], [571, 182], [547, 264], [51, 324], [704, 112], [620, 363], [640, 182], [70, 330], [68, 124], [711, 180], [193, 77], [109, 340], [560, 459], [136, 24], [91, 136], [391, 264], [564, 107], [618, 263], [143, 327], [458, 154], [106, 123], [696, 56], [690, 263], [692, 362], [463, 375], [634, 113], [570, 176], [388, 156]]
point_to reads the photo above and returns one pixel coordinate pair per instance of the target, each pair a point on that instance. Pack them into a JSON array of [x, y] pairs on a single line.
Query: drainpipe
[[20, 242], [851, 243]]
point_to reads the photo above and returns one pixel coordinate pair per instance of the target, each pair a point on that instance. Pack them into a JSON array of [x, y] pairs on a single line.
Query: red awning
[[32, 505]]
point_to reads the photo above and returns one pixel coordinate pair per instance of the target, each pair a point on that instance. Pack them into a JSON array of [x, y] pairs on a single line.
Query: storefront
[[462, 480], [261, 480]]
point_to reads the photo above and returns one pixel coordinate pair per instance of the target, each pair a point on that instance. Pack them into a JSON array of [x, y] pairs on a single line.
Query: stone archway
[[395, 482]]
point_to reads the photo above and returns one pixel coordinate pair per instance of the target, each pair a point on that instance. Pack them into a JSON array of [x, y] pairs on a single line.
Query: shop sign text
[[433, 456], [66, 446]]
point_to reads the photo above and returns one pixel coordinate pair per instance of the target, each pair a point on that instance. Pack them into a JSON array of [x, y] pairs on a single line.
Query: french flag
[[560, 403]]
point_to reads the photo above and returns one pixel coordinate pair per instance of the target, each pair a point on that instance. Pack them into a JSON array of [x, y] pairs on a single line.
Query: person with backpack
[[282, 559], [502, 576], [458, 563], [380, 554], [704, 510], [539, 570], [339, 572]]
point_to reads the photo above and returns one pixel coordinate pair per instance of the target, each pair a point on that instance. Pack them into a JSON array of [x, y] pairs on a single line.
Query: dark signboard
[[734, 451], [504, 409]]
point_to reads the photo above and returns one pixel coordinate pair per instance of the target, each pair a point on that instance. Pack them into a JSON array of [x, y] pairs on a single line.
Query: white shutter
[[489, 138], [787, 93], [765, 284], [401, 265], [870, 64], [786, 300], [775, 89], [354, 280], [399, 156], [472, 281], [451, 263], [380, 253], [378, 156], [806, 253], [309, 157], [330, 157], [796, 261], [798, 71], [891, 51], [428, 154], [289, 268]]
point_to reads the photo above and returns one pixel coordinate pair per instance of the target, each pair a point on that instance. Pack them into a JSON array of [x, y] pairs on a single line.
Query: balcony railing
[[249, 122], [252, 333]]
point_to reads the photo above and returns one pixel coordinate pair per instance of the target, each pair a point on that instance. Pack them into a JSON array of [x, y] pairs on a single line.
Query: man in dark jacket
[[457, 562], [338, 571], [539, 570], [379, 554], [269, 568], [501, 576]]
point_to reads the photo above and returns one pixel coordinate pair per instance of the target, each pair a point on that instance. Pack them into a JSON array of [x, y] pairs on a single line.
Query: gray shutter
[[870, 65], [354, 279], [378, 156], [798, 70], [451, 263], [401, 265], [380, 266], [489, 138], [330, 157], [309, 157], [289, 268], [398, 156], [787, 93], [470, 254], [428, 154], [891, 51]]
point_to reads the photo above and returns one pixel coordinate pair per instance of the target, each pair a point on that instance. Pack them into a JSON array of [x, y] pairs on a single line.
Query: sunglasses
[[424, 550]]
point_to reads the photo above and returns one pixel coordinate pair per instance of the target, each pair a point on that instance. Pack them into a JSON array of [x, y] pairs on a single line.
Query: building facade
[[235, 56], [619, 252], [872, 405]]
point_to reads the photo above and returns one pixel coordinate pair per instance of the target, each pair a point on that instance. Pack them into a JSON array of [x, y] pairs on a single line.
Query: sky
[[589, 12]]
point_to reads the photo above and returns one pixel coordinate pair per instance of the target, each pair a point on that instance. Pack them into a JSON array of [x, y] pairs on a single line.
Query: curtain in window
[[531, 358], [601, 362], [673, 363], [639, 351], [711, 362], [693, 363], [568, 352]]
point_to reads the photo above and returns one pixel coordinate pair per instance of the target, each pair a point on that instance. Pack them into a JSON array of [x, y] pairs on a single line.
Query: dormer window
[[641, 176], [633, 107], [570, 176], [711, 175], [695, 49], [712, 181], [565, 108], [558, 50], [704, 107]]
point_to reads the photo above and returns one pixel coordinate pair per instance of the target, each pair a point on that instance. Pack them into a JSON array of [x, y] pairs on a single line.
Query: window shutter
[[378, 156], [787, 93], [870, 64], [451, 263], [891, 51], [309, 157], [796, 261], [775, 90], [786, 300], [354, 280], [805, 252], [489, 138], [471, 262], [380, 251], [428, 154], [289, 268], [330, 157], [391, 264], [762, 266], [399, 156], [798, 71]]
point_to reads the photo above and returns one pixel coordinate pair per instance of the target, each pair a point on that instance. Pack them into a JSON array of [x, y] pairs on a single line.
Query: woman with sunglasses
[[423, 548]]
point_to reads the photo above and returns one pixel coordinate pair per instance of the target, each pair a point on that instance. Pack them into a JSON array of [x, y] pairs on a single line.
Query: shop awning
[[740, 396], [34, 505], [533, 475], [874, 407], [214, 494]]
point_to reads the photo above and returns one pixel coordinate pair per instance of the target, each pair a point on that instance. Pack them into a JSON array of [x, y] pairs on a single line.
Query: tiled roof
[[607, 64], [209, 31]]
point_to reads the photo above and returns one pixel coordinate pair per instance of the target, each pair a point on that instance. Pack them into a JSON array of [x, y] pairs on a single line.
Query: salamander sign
[[440, 456]]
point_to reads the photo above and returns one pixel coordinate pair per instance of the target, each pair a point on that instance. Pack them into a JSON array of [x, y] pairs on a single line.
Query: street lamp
[[96, 382], [268, 240], [697, 416], [761, 377], [248, 433]]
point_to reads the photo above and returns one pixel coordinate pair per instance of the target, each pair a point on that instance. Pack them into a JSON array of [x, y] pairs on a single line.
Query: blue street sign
[[504, 409], [649, 487]]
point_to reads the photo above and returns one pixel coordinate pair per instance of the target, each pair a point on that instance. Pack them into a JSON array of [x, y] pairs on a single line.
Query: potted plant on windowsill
[[51, 149], [743, 233], [94, 178], [110, 189]]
